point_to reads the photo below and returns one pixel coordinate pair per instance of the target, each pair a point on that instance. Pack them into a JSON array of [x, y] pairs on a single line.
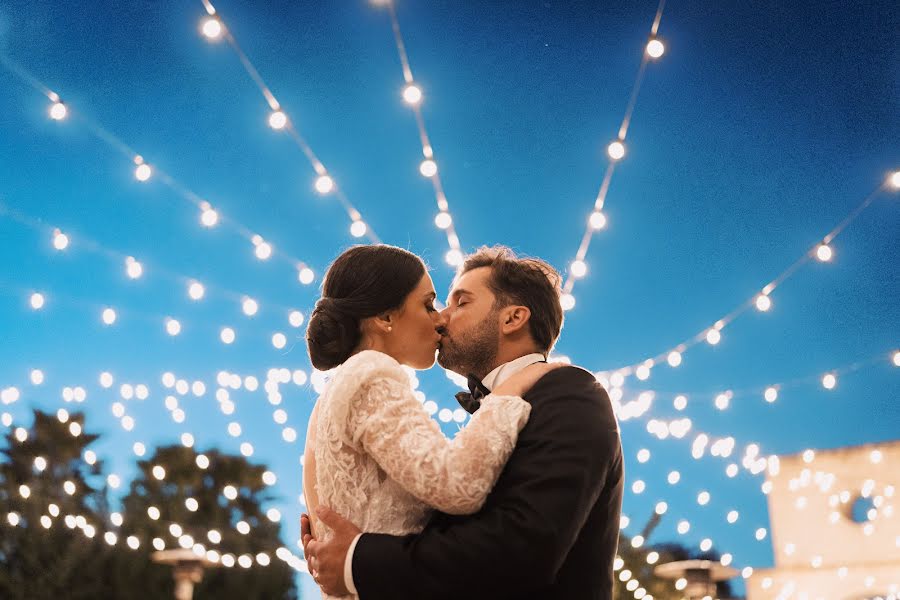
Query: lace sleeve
[[453, 476]]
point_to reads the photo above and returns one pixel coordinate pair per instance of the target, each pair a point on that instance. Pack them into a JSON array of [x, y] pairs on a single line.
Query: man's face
[[471, 336]]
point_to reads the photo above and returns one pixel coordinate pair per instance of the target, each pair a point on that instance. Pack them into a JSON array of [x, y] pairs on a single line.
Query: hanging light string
[[653, 50], [770, 392], [821, 251], [140, 392], [412, 95], [134, 542], [213, 28], [195, 290], [209, 216]]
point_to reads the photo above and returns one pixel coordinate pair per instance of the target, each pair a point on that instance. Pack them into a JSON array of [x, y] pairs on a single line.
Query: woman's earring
[[390, 328]]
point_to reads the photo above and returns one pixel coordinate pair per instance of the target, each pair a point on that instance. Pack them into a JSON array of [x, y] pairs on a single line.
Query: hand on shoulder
[[521, 382]]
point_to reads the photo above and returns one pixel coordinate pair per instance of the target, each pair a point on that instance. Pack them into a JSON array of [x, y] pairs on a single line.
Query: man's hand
[[326, 559]]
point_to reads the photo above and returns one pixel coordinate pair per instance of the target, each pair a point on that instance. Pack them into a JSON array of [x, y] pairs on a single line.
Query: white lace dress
[[383, 462]]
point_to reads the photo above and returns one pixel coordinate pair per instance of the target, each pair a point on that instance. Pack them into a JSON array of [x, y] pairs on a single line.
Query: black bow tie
[[471, 400]]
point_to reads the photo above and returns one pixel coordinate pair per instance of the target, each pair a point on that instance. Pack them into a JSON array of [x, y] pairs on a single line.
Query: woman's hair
[[364, 281]]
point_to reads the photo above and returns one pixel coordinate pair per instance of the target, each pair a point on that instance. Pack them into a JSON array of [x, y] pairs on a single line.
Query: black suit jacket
[[548, 529]]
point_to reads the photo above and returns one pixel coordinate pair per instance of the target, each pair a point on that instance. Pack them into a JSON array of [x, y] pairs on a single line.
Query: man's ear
[[514, 318]]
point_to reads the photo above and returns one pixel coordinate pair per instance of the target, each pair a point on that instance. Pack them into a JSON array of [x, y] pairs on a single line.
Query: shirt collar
[[506, 370]]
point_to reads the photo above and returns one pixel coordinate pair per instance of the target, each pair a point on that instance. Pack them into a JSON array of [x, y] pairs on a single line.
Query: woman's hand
[[524, 380]]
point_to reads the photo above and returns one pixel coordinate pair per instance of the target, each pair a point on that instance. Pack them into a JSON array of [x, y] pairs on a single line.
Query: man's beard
[[473, 351]]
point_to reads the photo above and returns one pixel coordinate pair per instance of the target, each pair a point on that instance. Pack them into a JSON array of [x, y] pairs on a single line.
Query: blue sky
[[757, 132]]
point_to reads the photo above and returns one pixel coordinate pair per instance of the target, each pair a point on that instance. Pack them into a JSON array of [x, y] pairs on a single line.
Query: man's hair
[[529, 282]]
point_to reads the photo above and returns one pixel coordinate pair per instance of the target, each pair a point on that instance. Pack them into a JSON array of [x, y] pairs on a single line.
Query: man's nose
[[440, 323]]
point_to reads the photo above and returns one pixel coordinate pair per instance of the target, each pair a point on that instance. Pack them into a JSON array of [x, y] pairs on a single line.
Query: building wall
[[820, 551]]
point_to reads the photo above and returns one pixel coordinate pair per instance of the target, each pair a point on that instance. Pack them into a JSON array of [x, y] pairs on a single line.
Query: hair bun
[[333, 333]]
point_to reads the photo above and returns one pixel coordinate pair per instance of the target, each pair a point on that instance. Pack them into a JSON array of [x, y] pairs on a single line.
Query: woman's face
[[414, 337]]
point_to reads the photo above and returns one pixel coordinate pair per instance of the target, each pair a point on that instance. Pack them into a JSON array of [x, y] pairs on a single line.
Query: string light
[[763, 303], [616, 150], [443, 220], [428, 168], [196, 290], [143, 172], [211, 28], [305, 275], [277, 120], [358, 229], [60, 240], [767, 289], [895, 180], [108, 316], [578, 268], [173, 327], [208, 216], [133, 268], [412, 94], [324, 184], [597, 220], [58, 111], [824, 252], [829, 381], [37, 301], [454, 258], [655, 48]]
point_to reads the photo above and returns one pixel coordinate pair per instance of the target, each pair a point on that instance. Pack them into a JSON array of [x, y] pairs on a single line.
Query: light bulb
[[37, 301], [263, 251], [616, 150], [655, 48], [324, 184], [58, 111], [196, 290], [674, 358], [428, 168], [60, 240], [763, 303], [211, 28], [108, 316], [454, 257], [209, 217], [895, 180], [306, 276], [412, 94], [227, 335], [578, 268], [277, 120], [567, 301], [133, 268], [173, 327], [249, 306], [824, 252], [443, 220], [597, 220], [143, 172], [358, 229]]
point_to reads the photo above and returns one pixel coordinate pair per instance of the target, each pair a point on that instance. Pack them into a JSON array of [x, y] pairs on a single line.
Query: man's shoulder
[[569, 378]]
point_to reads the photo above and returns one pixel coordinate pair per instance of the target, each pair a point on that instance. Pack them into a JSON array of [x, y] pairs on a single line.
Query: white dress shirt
[[490, 381]]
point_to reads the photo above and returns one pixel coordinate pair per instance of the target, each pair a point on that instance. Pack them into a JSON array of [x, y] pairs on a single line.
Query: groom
[[550, 526]]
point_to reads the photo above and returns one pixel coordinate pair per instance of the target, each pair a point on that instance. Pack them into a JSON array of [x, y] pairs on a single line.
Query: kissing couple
[[524, 502]]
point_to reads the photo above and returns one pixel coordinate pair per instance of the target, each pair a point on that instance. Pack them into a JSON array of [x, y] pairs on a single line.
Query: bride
[[373, 454]]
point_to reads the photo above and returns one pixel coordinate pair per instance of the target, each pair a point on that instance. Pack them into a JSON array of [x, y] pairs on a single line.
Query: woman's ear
[[514, 319], [383, 323]]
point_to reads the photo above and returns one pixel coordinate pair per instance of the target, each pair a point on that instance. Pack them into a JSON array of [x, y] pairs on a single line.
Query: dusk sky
[[758, 131]]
